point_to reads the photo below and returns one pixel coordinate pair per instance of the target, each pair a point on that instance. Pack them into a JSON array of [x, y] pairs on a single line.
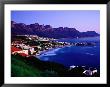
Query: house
[[31, 50], [15, 50], [88, 72], [71, 67]]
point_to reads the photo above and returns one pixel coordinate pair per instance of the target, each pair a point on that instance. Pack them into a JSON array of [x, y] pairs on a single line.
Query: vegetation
[[33, 67]]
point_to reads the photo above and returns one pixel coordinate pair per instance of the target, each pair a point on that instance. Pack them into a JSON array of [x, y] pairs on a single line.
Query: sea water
[[75, 55]]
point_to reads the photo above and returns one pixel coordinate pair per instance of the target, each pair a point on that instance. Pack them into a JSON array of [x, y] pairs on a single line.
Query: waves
[[50, 52]]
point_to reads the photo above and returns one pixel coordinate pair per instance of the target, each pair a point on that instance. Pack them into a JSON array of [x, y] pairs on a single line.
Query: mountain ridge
[[48, 31]]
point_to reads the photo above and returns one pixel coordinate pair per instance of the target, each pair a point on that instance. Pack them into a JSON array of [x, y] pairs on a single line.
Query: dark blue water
[[75, 55]]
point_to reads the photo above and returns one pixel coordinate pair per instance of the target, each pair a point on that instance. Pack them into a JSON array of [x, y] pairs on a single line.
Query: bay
[[75, 55]]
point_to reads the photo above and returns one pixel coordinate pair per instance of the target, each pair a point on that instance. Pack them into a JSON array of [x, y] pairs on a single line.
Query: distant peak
[[13, 22]]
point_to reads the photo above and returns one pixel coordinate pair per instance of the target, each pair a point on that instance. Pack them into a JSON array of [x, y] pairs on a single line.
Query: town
[[27, 45], [33, 45]]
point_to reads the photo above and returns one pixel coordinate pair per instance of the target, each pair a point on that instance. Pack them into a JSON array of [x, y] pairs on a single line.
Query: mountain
[[48, 31]]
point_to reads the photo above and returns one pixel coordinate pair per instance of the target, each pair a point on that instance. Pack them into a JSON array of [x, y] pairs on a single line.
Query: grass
[[21, 67]]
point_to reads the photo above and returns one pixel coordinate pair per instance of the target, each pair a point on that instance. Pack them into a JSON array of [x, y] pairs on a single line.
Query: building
[[15, 50]]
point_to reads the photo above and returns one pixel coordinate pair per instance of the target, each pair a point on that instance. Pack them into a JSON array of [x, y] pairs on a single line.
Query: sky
[[82, 20]]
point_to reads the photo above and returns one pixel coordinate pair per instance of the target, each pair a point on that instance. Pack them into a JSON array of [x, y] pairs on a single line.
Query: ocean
[[75, 55]]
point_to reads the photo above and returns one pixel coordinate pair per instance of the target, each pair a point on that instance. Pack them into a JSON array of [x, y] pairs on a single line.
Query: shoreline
[[42, 53], [50, 49]]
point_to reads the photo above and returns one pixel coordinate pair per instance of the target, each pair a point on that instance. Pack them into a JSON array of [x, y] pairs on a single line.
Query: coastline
[[51, 52], [50, 49]]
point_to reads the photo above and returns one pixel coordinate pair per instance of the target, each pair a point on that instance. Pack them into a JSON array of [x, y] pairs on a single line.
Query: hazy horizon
[[82, 20]]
